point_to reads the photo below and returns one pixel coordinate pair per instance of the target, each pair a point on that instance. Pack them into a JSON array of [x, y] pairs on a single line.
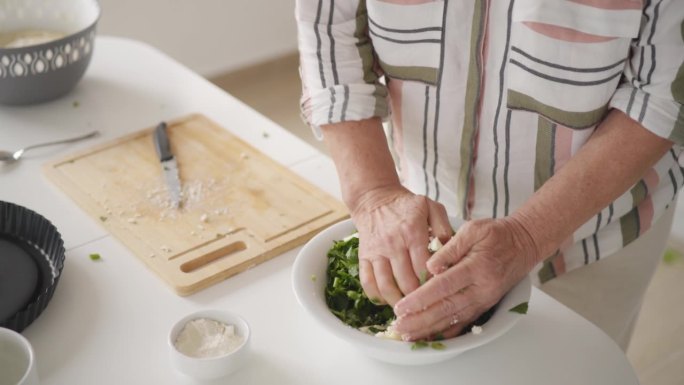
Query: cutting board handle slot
[[223, 252]]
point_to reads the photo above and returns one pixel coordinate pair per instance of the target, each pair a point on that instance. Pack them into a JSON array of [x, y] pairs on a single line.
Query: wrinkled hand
[[472, 272], [393, 226]]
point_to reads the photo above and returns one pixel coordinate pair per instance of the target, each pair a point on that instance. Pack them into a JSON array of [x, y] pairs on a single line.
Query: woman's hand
[[394, 226], [472, 272]]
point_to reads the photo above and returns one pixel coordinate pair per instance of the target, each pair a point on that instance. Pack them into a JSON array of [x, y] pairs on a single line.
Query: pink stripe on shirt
[[565, 34], [406, 2], [611, 4]]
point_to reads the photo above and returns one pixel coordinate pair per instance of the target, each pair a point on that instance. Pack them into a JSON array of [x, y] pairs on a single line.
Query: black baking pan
[[31, 262]]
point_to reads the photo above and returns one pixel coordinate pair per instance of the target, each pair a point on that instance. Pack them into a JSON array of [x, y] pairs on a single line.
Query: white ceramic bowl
[[213, 367], [312, 262], [17, 360]]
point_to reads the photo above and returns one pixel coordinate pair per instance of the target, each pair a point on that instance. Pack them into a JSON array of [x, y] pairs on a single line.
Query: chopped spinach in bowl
[[343, 292]]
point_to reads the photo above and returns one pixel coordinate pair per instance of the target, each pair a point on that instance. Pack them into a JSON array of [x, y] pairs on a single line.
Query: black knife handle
[[161, 142]]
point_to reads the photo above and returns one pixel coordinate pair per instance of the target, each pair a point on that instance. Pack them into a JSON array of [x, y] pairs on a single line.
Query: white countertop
[[108, 320]]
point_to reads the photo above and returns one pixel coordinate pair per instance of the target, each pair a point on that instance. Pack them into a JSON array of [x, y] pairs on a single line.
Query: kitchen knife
[[168, 164]]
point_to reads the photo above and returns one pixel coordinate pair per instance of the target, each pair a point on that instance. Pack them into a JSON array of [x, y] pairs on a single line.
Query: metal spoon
[[9, 157]]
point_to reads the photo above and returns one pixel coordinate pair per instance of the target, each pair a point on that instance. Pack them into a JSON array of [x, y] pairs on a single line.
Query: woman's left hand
[[472, 272]]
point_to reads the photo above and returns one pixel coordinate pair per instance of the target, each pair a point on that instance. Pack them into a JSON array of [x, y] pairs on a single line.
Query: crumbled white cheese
[[347, 238], [434, 245], [204, 337], [476, 329], [389, 334]]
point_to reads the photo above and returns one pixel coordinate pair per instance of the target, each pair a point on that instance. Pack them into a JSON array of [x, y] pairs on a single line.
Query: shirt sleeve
[[652, 90], [340, 76]]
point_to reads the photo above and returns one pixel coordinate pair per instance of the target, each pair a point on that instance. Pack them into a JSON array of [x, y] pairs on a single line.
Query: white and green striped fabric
[[487, 99]]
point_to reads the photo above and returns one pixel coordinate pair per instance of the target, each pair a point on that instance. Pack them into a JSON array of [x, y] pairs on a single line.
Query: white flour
[[204, 337]]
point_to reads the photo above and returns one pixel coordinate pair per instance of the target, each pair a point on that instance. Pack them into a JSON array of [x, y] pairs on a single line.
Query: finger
[[456, 329], [440, 286], [419, 257], [418, 242], [433, 317], [456, 321], [452, 331], [468, 316], [404, 274], [367, 278], [452, 252], [384, 278], [439, 221]]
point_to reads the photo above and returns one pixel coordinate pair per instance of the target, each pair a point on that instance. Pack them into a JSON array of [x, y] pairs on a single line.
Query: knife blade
[[168, 164]]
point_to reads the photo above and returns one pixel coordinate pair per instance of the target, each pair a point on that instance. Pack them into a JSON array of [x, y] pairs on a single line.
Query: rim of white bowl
[[27, 345]]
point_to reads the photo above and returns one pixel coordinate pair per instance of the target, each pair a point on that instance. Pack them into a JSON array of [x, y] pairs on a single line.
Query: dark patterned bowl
[[34, 71]]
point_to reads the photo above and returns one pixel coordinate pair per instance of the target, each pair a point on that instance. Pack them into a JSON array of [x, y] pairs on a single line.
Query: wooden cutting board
[[240, 207]]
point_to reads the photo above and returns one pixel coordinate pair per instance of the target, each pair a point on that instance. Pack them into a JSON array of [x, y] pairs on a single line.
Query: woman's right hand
[[394, 227]]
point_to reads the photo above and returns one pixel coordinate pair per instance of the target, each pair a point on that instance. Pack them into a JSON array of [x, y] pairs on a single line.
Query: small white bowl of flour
[[209, 344]]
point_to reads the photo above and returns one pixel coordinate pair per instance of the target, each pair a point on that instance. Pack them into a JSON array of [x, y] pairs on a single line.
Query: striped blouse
[[487, 99]]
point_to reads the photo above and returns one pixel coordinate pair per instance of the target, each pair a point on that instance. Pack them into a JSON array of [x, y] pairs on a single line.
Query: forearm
[[362, 158], [616, 156]]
